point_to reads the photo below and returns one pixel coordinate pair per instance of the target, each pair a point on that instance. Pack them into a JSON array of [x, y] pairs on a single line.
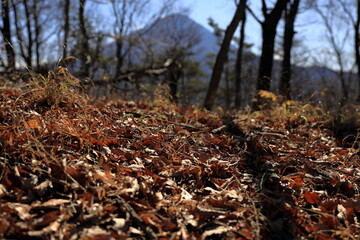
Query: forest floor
[[77, 169]]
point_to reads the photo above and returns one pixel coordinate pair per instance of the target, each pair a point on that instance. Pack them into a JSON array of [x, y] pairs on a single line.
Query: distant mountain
[[181, 23], [180, 31], [169, 32]]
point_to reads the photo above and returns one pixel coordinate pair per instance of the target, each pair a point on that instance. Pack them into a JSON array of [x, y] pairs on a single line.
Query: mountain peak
[[177, 16]]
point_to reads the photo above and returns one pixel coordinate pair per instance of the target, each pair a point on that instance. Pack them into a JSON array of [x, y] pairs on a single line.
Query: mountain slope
[[179, 32]]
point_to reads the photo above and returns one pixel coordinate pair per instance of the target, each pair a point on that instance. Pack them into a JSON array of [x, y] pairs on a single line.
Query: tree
[[357, 44], [6, 32], [289, 32], [127, 16], [354, 18], [24, 46], [224, 92], [124, 13], [268, 25], [37, 31], [330, 18], [34, 25], [222, 55], [19, 34], [30, 42], [66, 28], [84, 41], [238, 64], [171, 40], [233, 67], [192, 87]]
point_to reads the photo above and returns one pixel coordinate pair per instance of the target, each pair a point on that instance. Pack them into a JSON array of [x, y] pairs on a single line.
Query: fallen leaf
[[311, 197], [4, 226]]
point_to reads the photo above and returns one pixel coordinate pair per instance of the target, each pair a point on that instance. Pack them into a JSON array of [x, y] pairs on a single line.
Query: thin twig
[[145, 228], [272, 134]]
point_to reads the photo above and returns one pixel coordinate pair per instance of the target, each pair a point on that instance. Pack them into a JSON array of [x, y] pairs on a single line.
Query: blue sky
[[222, 12], [311, 32], [201, 10]]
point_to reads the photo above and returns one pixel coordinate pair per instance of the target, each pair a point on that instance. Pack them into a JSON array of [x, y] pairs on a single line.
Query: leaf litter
[[122, 170]]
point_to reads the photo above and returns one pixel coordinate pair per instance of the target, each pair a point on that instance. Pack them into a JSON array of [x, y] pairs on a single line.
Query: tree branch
[[253, 14], [264, 8]]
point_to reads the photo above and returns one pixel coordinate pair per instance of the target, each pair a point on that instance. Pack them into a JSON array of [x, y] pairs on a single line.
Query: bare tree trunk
[[85, 48], [289, 32], [66, 28], [119, 29], [357, 45], [269, 26], [37, 26], [175, 72], [119, 57], [19, 35], [238, 64], [228, 93], [28, 58], [6, 32], [96, 54], [222, 55]]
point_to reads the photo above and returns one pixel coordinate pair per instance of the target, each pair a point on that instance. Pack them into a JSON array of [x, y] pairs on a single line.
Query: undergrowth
[[59, 89], [291, 109], [344, 121]]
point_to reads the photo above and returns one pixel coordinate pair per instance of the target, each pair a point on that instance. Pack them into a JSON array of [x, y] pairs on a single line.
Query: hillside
[[171, 32], [71, 168], [166, 36]]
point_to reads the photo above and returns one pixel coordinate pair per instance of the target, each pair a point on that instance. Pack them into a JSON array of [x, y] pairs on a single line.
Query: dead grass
[[59, 89]]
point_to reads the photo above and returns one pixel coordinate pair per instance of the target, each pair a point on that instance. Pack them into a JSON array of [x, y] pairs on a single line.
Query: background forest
[[130, 48]]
